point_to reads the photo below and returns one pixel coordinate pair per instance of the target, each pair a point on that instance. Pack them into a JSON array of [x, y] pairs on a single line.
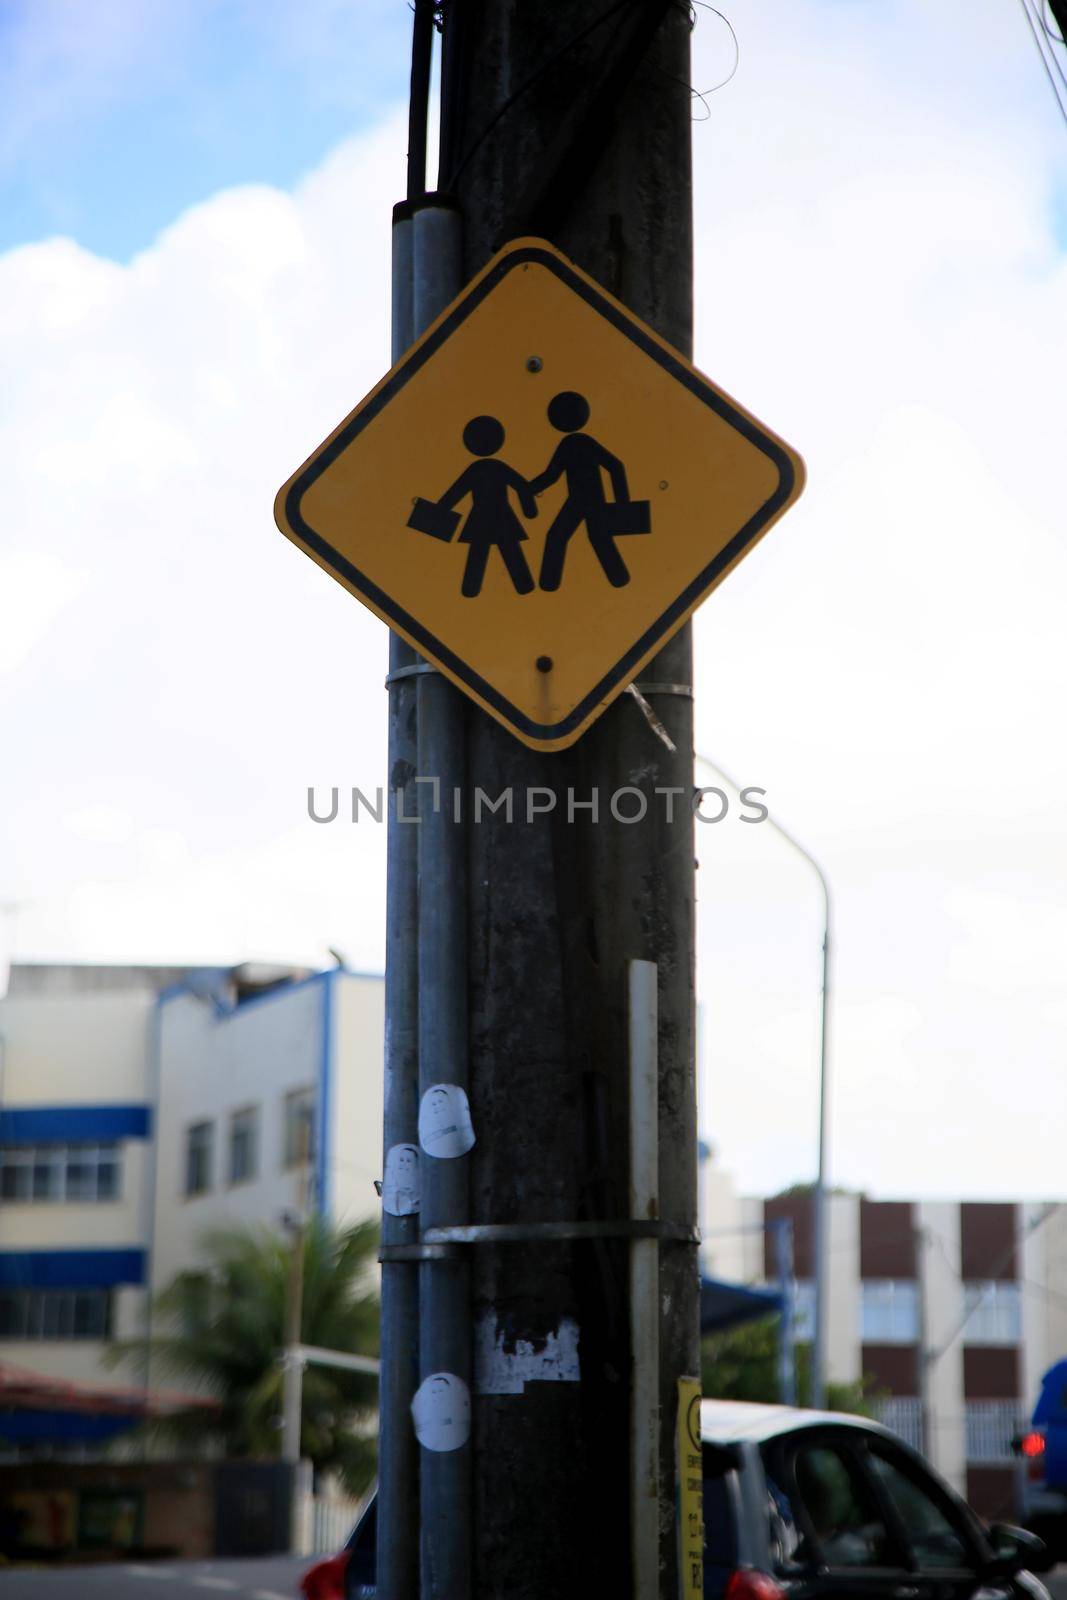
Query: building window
[[991, 1426], [298, 1127], [994, 1313], [244, 1141], [904, 1417], [804, 1310], [55, 1313], [199, 1157], [59, 1173], [889, 1311]]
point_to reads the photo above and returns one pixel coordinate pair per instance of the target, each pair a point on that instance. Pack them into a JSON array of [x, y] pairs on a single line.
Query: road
[[265, 1578], [268, 1578]]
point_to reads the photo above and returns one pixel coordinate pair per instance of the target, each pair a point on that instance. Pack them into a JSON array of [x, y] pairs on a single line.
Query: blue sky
[[115, 115]]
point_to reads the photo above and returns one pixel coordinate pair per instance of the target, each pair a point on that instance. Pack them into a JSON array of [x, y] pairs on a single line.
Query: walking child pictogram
[[491, 523], [581, 460]]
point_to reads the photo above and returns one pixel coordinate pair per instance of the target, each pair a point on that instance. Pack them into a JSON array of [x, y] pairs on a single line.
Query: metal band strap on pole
[[402, 673], [437, 1240], [684, 690]]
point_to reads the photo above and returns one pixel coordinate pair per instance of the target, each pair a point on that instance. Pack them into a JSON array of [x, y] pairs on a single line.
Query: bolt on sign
[[539, 494]]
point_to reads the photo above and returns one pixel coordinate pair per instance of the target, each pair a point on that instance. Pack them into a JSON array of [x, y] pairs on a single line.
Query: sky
[[194, 290]]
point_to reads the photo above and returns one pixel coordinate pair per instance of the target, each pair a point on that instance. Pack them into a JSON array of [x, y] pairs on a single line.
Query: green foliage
[[221, 1332], [742, 1364]]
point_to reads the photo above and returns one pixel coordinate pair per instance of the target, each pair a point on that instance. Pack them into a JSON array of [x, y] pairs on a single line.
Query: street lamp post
[[820, 1215]]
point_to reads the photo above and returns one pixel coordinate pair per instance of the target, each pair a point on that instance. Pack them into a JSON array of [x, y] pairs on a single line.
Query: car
[[807, 1505], [1043, 1450], [350, 1574], [802, 1505]]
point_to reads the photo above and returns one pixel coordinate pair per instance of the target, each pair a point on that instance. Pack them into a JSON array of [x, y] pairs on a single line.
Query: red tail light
[[748, 1584], [1031, 1446], [326, 1579]]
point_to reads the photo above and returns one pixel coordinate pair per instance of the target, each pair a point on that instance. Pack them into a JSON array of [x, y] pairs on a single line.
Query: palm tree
[[222, 1330]]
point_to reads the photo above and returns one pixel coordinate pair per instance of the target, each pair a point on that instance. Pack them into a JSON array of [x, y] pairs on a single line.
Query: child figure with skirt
[[491, 523]]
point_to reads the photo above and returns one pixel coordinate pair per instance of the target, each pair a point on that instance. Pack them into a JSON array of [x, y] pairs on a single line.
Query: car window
[[785, 1537], [720, 1528], [362, 1547], [840, 1509], [933, 1539]]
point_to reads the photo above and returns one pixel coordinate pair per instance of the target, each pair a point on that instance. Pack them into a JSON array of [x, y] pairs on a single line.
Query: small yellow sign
[[690, 1492], [539, 494]]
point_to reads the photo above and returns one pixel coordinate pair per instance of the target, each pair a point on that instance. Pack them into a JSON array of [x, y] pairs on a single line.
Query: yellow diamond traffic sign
[[539, 494]]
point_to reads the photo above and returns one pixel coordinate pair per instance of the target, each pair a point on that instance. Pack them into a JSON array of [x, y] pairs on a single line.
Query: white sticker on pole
[[445, 1127], [441, 1411], [400, 1184]]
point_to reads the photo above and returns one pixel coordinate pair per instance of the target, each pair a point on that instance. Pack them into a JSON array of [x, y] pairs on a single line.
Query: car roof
[[743, 1421]]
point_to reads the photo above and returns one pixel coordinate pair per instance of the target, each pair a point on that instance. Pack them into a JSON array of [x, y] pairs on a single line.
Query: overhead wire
[[702, 94], [418, 105], [1036, 34], [1053, 55], [1044, 23], [690, 8]]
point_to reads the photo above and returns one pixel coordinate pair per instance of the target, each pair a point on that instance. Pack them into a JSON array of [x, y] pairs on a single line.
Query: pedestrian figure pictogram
[[491, 523], [582, 460]]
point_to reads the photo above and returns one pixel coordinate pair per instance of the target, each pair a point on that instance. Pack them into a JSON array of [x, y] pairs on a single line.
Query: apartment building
[[141, 1107], [952, 1309], [248, 1089]]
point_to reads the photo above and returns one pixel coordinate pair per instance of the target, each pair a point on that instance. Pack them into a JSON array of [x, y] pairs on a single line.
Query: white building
[[140, 1108], [953, 1310]]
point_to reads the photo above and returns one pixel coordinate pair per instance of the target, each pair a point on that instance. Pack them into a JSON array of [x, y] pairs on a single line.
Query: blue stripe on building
[[32, 1425], [71, 1269], [73, 1124]]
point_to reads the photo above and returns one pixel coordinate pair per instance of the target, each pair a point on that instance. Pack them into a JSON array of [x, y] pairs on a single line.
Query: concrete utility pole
[[572, 122]]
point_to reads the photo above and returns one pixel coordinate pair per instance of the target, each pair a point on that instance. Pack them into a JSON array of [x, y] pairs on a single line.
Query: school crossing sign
[[539, 494]]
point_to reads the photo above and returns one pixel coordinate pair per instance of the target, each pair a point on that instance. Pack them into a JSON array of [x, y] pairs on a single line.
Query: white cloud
[[35, 588]]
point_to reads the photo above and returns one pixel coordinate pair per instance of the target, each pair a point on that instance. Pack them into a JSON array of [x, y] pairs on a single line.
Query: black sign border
[[422, 638]]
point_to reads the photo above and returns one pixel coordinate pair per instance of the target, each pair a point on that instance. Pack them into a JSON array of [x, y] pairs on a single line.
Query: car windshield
[[932, 1538], [829, 1514], [720, 1521]]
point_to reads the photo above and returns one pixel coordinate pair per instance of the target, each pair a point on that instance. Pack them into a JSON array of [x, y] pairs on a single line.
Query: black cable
[[1048, 71], [1053, 55], [463, 22], [1044, 23], [702, 94], [534, 78], [419, 98]]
